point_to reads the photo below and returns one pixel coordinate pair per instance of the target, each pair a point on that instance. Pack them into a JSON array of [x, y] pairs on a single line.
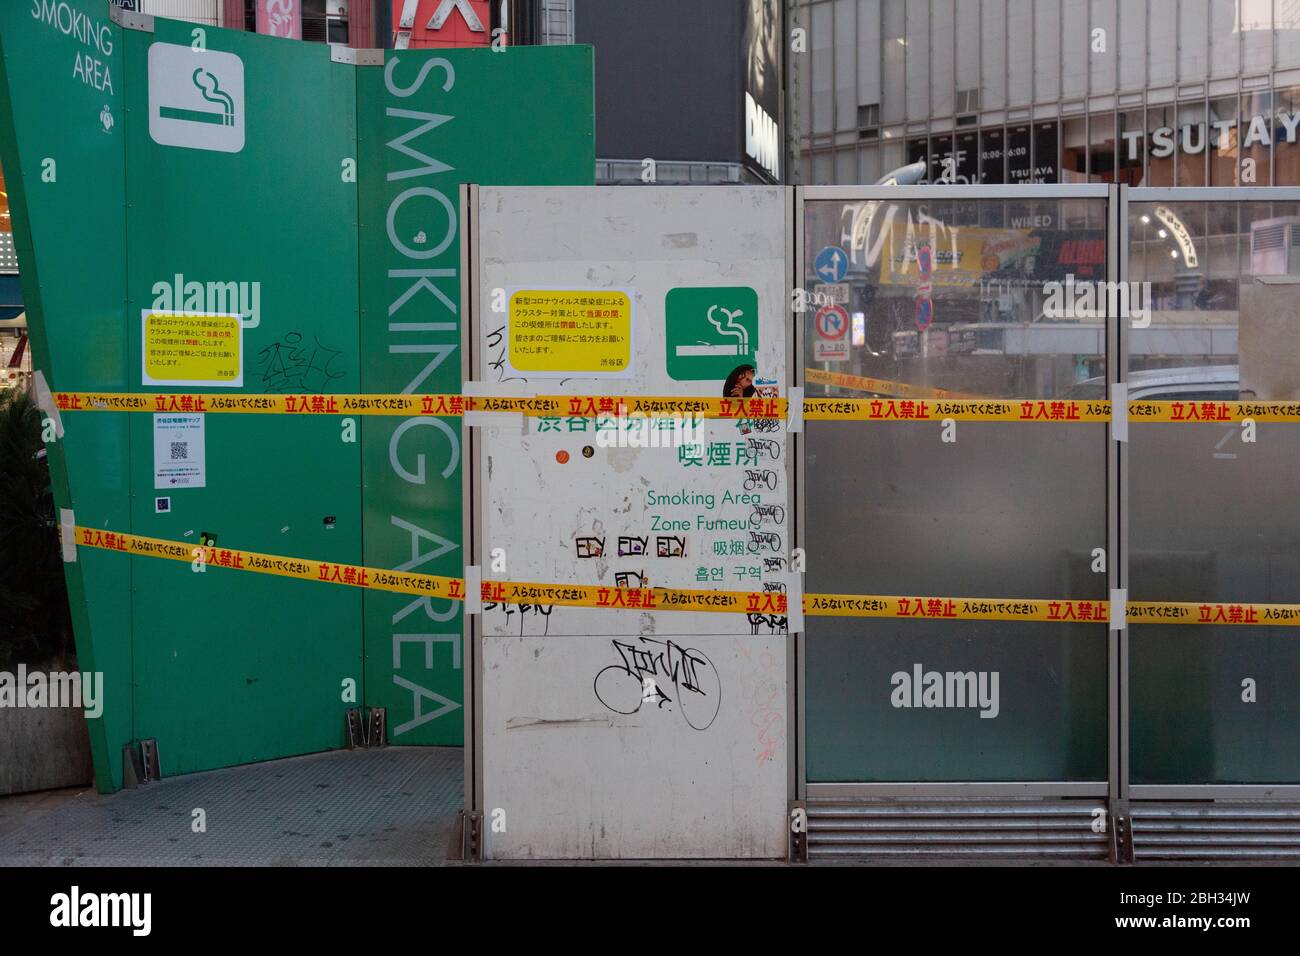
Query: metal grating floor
[[389, 807]]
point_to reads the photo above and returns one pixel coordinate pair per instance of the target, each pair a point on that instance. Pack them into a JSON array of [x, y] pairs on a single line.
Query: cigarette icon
[[730, 329], [685, 351], [222, 117]]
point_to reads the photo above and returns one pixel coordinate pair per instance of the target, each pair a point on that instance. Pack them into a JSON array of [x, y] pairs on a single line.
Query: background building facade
[[686, 92], [1145, 92]]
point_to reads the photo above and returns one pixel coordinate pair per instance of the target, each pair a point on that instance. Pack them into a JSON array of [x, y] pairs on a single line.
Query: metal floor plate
[[389, 807]]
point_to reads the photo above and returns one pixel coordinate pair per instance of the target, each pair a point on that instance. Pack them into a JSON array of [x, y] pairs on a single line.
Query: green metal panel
[[431, 121], [64, 166], [232, 667], [223, 667]]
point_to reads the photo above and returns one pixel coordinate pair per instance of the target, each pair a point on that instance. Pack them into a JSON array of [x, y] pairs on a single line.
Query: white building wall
[[196, 11]]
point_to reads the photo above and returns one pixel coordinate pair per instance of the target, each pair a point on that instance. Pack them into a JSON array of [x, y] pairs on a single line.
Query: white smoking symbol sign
[[730, 329]]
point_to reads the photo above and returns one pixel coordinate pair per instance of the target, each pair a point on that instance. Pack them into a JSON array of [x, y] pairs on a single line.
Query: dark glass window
[[940, 158], [1131, 148], [1101, 148], [918, 151], [992, 157], [1019, 169], [1046, 169]]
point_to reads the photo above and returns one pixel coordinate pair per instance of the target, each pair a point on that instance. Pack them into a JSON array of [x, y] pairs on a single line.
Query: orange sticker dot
[[562, 456]]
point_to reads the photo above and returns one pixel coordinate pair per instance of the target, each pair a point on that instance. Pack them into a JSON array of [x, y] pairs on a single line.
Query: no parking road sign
[[832, 324]]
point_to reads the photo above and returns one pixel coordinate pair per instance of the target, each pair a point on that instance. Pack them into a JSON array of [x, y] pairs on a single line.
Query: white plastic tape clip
[[1118, 609], [1119, 411], [488, 390], [68, 534], [793, 581], [794, 410], [473, 589], [45, 402]]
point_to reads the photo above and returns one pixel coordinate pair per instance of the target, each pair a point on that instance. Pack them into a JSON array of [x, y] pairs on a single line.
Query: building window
[[992, 157], [918, 152], [942, 164], [1132, 148], [967, 155], [1019, 169], [1286, 138], [869, 121], [1192, 139], [1224, 145], [1162, 146], [1102, 148], [1254, 128], [1046, 162], [1074, 150]]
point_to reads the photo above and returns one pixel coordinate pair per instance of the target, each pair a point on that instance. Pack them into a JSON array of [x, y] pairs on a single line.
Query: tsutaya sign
[[1192, 138]]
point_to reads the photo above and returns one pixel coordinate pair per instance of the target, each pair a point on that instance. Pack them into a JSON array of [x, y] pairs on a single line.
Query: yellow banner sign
[[570, 331], [188, 348]]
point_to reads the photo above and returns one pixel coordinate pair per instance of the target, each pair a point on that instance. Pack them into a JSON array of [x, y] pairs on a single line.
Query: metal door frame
[[471, 522], [1117, 787], [989, 789], [1175, 791]]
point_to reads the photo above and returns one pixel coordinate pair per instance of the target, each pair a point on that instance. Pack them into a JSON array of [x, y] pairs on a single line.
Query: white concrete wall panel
[[582, 767]]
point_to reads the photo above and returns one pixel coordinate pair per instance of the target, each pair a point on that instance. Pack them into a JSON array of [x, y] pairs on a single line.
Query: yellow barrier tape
[[441, 405], [955, 608], [1213, 411], [879, 386], [591, 406], [673, 599], [444, 405], [964, 409], [587, 406], [304, 569], [1189, 612]]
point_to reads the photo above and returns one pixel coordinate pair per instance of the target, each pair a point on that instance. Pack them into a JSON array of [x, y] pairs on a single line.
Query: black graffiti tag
[[646, 666]]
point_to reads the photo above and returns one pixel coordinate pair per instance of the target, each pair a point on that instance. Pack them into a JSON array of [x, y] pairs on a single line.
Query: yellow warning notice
[[555, 333], [192, 348]]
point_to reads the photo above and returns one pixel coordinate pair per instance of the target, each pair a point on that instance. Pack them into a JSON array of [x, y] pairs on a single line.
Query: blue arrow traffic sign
[[831, 264]]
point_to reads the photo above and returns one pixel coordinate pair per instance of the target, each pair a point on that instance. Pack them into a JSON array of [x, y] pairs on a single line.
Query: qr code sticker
[[180, 451]]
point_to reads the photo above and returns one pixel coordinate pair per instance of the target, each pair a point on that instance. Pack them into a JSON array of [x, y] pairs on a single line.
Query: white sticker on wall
[[196, 98], [179, 454]]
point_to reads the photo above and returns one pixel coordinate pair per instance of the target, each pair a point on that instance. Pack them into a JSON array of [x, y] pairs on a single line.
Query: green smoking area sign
[[709, 331]]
